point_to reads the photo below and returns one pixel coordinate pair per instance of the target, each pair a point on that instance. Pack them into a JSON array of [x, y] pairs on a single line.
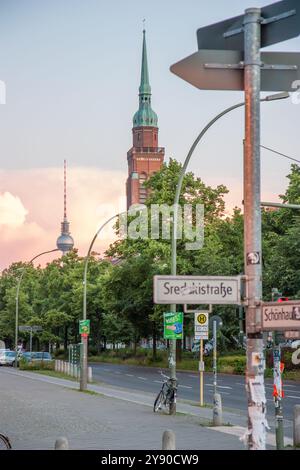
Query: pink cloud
[[31, 209]]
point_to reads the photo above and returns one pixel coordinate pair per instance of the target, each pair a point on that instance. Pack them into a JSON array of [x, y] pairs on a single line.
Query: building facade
[[145, 157]]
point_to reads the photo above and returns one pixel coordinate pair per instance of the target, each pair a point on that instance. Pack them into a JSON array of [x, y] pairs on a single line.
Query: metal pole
[[256, 435], [278, 393], [17, 300], [84, 355], [30, 346], [201, 372], [215, 355]]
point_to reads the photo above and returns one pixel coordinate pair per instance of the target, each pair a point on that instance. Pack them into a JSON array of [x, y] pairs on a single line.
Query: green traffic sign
[[84, 327], [173, 325]]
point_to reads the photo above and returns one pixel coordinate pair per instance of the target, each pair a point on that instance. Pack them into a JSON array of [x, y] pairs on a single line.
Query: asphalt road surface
[[231, 387]]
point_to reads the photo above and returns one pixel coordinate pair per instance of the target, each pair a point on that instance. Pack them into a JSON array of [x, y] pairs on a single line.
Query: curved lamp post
[[17, 299], [83, 369], [278, 96]]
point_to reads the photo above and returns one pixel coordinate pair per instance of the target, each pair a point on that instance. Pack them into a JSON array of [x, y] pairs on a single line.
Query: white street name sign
[[283, 316], [197, 290]]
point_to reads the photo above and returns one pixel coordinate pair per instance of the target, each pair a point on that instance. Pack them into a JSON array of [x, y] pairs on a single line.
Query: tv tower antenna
[[65, 242]]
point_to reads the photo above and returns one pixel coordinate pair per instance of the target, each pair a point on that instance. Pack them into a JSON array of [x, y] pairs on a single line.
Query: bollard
[[68, 368], [90, 375], [217, 410], [55, 365], [61, 444], [168, 440], [296, 426]]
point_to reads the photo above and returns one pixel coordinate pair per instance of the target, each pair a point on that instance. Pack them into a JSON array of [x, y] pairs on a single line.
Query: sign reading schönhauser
[[283, 316]]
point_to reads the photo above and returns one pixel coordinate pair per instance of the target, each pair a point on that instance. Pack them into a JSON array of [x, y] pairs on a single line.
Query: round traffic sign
[[202, 318]]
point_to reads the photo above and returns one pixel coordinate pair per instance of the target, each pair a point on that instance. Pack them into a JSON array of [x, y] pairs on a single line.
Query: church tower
[[145, 157]]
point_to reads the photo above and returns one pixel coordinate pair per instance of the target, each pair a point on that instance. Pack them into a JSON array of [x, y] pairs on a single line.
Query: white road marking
[[129, 375], [194, 376], [184, 386], [142, 378], [290, 396], [219, 386], [158, 381], [117, 372]]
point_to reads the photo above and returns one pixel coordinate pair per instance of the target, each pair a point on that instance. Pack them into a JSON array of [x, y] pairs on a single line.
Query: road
[[231, 387]]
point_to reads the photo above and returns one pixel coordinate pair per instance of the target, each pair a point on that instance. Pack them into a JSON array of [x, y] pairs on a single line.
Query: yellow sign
[[202, 318]]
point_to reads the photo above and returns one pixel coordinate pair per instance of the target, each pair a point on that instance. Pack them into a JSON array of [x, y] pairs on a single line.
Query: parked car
[[37, 356], [7, 358]]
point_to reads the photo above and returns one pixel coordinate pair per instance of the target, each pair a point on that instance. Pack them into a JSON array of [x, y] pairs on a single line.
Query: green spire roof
[[145, 116]]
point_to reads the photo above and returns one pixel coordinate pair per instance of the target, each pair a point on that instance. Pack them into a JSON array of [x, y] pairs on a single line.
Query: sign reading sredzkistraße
[[283, 316]]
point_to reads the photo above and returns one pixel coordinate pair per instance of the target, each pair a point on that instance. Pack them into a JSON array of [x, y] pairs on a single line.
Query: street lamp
[[17, 300], [83, 369], [172, 359]]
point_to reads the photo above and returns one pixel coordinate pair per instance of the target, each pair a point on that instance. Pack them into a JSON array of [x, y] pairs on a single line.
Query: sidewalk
[[36, 409]]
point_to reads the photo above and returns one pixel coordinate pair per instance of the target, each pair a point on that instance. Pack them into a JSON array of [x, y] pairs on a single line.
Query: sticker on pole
[[173, 325], [84, 327], [201, 325]]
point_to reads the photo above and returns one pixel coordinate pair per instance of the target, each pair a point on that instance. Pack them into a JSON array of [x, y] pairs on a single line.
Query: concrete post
[[90, 375], [55, 365], [61, 444], [217, 410], [168, 440], [296, 425]]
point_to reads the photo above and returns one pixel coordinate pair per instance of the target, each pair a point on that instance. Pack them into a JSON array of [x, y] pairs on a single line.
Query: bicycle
[[4, 442], [167, 394]]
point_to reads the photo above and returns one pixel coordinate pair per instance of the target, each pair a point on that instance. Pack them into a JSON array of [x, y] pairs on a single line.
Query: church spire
[[145, 116], [145, 87]]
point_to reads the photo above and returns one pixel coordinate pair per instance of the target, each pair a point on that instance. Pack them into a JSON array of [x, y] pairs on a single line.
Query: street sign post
[[31, 329], [283, 316], [173, 325], [197, 290], [201, 333]]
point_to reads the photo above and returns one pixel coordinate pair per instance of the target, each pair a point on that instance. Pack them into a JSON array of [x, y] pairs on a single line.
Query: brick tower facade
[[145, 157]]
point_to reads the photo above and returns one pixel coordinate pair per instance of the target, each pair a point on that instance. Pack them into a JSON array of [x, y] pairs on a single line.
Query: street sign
[[197, 290], [201, 325], [33, 328], [224, 70], [173, 325], [84, 327], [283, 316], [292, 334], [24, 328], [280, 21]]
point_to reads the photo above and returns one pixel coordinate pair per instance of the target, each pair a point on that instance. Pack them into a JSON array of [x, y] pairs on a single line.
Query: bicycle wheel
[[4, 443], [158, 401]]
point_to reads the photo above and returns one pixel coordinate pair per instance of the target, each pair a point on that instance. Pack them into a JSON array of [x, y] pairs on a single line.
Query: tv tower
[[65, 242]]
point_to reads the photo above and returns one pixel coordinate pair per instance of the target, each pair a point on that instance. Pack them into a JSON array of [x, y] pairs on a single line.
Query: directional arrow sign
[[224, 70], [280, 22]]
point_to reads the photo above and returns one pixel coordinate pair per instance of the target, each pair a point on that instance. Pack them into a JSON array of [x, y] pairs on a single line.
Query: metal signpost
[[201, 333], [31, 330], [246, 34]]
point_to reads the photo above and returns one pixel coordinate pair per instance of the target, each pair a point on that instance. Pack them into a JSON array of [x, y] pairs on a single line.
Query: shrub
[[36, 365]]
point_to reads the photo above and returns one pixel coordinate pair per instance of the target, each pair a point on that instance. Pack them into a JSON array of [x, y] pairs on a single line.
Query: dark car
[[37, 356]]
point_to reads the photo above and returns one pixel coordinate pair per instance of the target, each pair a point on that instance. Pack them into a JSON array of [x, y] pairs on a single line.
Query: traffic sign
[[224, 70], [173, 325], [24, 328], [280, 21], [197, 290], [283, 316], [201, 325], [217, 319], [84, 327], [33, 328]]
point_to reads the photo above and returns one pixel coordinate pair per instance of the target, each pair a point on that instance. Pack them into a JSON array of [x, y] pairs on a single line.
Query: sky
[[71, 70]]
